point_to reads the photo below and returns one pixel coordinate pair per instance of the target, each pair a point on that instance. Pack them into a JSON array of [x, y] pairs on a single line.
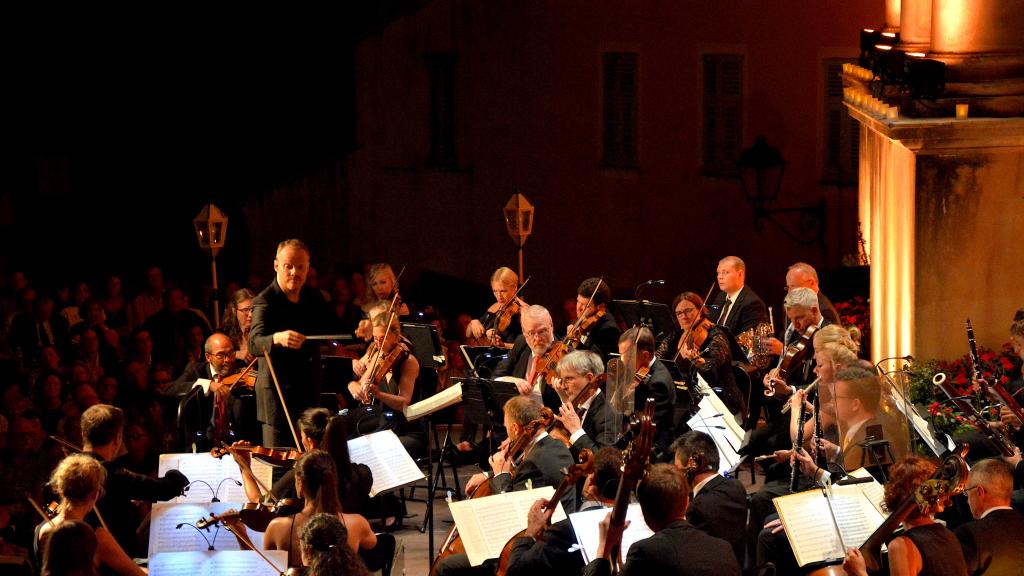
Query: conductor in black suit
[[737, 306], [657, 384], [676, 547], [603, 337], [545, 458], [719, 505], [282, 315], [591, 422], [993, 544]]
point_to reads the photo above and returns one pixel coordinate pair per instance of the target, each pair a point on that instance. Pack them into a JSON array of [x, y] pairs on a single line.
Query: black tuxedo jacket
[[542, 466], [659, 385], [994, 545], [549, 555], [601, 426], [720, 510], [297, 370], [678, 549], [518, 365], [603, 338], [748, 311]]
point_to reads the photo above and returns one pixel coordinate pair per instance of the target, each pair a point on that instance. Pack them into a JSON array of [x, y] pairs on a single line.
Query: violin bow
[[38, 509], [280, 394], [244, 539], [590, 300]]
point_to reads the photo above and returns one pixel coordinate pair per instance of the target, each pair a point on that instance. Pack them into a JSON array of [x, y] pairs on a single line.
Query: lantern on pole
[[519, 223], [211, 231]]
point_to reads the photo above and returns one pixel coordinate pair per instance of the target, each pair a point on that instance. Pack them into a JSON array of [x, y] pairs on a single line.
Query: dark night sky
[[114, 136]]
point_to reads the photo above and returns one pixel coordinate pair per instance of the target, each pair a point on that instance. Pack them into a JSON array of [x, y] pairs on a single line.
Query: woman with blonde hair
[[504, 284], [78, 481]]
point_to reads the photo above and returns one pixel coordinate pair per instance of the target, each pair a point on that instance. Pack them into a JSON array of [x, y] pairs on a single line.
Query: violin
[[246, 379], [572, 476], [383, 363], [270, 456], [795, 354], [558, 430], [504, 314], [255, 515]]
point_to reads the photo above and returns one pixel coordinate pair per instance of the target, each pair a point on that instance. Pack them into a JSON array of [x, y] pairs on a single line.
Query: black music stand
[[482, 359], [485, 401], [654, 315]]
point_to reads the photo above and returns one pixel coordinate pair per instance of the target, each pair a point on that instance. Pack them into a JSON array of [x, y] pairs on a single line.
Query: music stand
[[426, 344], [477, 357], [654, 315]]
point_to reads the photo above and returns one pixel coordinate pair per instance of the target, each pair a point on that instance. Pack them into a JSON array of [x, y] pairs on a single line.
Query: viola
[[579, 333], [503, 317], [558, 430], [795, 354]]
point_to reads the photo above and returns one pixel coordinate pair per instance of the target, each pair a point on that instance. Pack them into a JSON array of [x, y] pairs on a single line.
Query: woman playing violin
[[500, 324], [388, 374], [316, 482], [78, 481], [382, 287], [238, 321], [706, 348]]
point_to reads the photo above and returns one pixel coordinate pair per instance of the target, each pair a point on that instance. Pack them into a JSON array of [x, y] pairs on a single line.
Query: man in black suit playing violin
[[591, 422], [603, 336]]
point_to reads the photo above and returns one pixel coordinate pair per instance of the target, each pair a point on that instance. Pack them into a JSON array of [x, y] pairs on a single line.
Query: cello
[[453, 542], [572, 475], [634, 467]]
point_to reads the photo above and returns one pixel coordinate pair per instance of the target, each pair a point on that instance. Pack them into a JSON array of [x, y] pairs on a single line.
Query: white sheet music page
[[714, 419], [207, 475], [443, 399], [588, 534], [165, 536], [807, 518], [390, 464], [486, 524], [873, 491], [226, 563]]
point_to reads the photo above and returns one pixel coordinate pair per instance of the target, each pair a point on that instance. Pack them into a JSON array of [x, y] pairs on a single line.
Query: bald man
[[803, 275], [197, 405]]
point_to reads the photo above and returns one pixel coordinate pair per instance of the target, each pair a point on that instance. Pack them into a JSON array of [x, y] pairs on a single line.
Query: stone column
[[915, 25]]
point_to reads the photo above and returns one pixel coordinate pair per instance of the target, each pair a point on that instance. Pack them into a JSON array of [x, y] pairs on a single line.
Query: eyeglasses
[[969, 488], [222, 355], [246, 310]]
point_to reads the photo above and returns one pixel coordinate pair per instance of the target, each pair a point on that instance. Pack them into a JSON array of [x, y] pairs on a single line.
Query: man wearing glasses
[[198, 408], [993, 542], [523, 365]]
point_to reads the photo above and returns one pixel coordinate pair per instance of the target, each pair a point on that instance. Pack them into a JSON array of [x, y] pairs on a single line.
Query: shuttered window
[[723, 113], [619, 111], [841, 140]]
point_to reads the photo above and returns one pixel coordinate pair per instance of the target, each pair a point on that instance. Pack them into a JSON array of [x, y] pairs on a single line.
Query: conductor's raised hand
[[289, 339]]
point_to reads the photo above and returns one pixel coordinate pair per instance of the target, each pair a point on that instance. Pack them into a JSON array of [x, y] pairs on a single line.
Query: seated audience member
[[676, 546], [324, 550], [78, 482], [925, 547], [993, 543], [719, 504], [71, 550]]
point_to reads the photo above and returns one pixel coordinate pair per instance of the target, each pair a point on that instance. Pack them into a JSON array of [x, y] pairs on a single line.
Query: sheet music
[[924, 429], [714, 419], [205, 468], [387, 459], [217, 563], [588, 534], [873, 491], [486, 524], [164, 536], [807, 519], [203, 383], [439, 401]]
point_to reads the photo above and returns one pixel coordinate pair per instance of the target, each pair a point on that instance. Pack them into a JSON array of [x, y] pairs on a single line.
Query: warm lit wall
[[946, 200], [529, 115]]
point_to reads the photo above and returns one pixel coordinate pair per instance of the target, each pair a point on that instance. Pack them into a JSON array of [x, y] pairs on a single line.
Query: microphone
[[640, 287]]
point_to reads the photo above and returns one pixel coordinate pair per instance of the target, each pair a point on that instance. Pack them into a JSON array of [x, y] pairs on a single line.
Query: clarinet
[[794, 474], [820, 460]]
